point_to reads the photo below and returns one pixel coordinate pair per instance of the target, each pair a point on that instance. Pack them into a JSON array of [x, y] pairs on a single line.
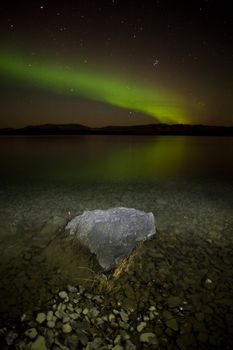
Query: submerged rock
[[112, 234]]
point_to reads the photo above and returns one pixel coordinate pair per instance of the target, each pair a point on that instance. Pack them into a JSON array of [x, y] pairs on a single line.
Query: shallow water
[[181, 179], [187, 182]]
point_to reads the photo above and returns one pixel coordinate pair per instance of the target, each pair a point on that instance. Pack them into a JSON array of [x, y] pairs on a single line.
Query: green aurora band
[[96, 86]]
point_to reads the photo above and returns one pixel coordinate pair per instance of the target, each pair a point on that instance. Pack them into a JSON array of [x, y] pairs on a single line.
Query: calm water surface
[[72, 160]]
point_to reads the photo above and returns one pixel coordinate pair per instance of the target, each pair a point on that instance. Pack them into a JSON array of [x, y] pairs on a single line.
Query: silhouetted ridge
[[150, 129]]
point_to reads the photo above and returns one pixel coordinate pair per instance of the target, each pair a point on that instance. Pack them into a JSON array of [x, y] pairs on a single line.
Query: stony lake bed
[[173, 292]]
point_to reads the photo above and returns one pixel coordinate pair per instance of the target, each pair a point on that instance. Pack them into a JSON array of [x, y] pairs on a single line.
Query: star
[[156, 62], [42, 7]]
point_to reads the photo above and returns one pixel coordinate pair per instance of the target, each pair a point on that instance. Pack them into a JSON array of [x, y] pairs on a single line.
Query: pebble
[[49, 315], [148, 338], [111, 318], [51, 324], [141, 326], [63, 295], [39, 344], [152, 308], [65, 319], [85, 311], [117, 339], [40, 318], [66, 328], [31, 333], [129, 345], [74, 316], [72, 289], [118, 347], [124, 316]]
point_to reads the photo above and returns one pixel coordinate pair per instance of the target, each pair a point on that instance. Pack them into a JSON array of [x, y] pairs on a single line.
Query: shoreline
[[170, 286]]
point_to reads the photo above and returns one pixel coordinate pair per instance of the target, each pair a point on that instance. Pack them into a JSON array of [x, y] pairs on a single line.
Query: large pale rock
[[112, 234]]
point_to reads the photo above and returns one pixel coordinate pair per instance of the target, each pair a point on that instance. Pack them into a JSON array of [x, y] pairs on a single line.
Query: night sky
[[116, 62]]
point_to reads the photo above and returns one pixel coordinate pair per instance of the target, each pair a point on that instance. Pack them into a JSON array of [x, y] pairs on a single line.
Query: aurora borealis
[[95, 86], [115, 62]]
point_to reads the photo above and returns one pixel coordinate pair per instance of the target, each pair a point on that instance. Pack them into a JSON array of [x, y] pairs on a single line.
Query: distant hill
[[152, 129]]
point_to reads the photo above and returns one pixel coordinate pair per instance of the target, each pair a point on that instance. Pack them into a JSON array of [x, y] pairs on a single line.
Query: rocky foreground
[[173, 292]]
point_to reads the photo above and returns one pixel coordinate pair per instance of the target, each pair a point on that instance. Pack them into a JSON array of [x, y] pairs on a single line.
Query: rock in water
[[112, 234]]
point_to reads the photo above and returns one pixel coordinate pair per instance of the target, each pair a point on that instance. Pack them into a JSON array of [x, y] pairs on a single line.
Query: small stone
[[117, 339], [124, 316], [23, 318], [94, 312], [85, 311], [70, 307], [141, 326], [123, 325], [172, 324], [31, 333], [111, 318], [150, 338], [78, 310], [65, 319], [96, 343], [72, 289], [98, 299], [208, 281], [118, 347], [63, 295], [49, 315], [66, 328], [51, 324], [59, 314], [39, 344], [40, 318], [74, 316], [129, 345], [99, 321], [88, 296], [152, 308], [61, 307]]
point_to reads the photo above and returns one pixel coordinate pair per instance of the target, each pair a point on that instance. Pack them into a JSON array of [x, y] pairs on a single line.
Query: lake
[[187, 182]]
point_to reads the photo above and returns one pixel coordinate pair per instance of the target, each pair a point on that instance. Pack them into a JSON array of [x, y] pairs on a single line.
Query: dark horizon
[[146, 129]]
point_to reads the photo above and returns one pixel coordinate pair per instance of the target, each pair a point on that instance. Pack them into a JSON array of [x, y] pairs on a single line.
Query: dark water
[[187, 182], [72, 160]]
